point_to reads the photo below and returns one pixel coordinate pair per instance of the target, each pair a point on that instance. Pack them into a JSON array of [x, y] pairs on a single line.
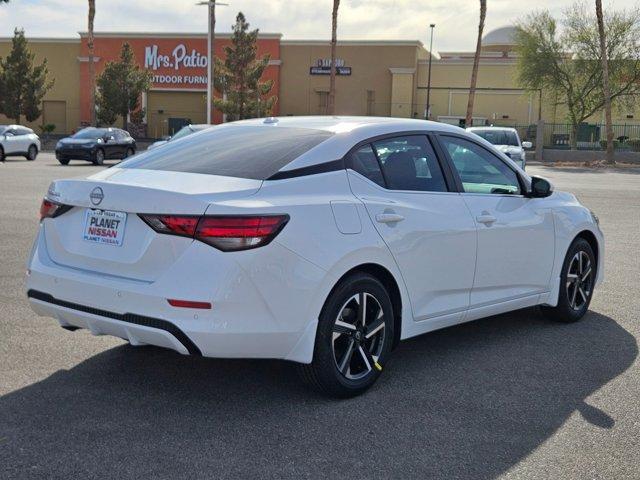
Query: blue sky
[[456, 20]]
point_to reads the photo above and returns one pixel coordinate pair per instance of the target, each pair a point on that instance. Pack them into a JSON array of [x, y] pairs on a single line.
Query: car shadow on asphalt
[[467, 402]]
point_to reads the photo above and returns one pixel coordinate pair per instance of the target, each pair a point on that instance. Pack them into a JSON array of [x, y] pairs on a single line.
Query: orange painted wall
[[193, 77]]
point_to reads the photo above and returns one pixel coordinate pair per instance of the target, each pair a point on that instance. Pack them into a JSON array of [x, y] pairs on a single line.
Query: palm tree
[[605, 83], [92, 65], [476, 61], [331, 107]]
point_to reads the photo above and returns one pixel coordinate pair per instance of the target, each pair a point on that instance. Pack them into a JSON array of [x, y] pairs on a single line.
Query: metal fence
[[590, 136]]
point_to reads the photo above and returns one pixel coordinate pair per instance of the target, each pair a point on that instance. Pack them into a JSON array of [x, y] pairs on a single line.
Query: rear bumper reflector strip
[[126, 317]]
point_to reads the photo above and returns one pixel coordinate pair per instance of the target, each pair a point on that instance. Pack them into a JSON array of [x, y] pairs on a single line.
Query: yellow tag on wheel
[[378, 366]]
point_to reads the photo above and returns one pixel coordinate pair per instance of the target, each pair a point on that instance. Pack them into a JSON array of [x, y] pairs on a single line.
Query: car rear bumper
[[258, 310]]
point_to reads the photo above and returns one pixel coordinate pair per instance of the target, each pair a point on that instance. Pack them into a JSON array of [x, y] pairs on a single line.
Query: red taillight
[[173, 224], [224, 232], [49, 209]]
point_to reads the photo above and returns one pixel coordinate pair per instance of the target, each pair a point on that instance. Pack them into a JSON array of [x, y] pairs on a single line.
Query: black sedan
[[96, 145]]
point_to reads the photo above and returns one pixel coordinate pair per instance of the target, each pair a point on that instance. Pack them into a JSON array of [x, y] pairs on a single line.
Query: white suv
[[505, 140], [18, 141]]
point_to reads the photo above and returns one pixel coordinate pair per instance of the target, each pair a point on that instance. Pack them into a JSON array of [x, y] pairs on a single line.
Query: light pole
[[211, 35], [428, 112]]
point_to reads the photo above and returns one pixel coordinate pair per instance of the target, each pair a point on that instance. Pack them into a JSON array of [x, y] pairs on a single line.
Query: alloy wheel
[[579, 280], [358, 336]]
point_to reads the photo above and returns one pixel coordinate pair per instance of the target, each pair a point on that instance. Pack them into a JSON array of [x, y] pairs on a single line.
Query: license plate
[[105, 227]]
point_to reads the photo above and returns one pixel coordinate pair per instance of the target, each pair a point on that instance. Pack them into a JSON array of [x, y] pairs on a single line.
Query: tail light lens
[[49, 209], [225, 232]]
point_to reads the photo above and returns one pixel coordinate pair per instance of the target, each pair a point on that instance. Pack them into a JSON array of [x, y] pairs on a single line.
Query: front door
[[516, 239], [12, 142], [427, 228]]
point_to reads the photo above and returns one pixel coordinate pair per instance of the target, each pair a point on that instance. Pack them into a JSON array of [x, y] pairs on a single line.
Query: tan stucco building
[[385, 78]]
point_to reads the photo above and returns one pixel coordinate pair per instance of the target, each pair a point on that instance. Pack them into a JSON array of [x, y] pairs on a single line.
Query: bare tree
[[476, 62], [92, 65], [567, 66], [331, 107], [605, 82]]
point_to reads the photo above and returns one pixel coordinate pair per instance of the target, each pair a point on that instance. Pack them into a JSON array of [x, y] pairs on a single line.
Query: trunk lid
[[141, 253]]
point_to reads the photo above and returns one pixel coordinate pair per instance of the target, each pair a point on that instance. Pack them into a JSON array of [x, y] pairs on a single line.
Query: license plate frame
[[104, 227]]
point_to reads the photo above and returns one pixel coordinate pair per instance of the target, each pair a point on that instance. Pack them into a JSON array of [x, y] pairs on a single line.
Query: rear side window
[[254, 152], [409, 163], [364, 162]]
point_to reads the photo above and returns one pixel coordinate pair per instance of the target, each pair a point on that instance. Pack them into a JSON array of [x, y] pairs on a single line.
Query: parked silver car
[[506, 140], [183, 132], [18, 141]]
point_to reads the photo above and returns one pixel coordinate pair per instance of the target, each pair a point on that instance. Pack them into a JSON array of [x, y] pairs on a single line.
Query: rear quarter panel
[[313, 232]]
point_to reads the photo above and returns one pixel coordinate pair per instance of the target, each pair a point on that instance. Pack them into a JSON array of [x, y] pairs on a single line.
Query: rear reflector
[[224, 232], [49, 209], [188, 304]]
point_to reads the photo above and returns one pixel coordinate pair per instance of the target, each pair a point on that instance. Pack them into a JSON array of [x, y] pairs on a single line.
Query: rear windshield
[[499, 137], [234, 151]]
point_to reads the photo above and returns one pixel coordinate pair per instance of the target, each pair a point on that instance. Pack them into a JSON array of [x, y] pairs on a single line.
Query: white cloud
[[456, 20]]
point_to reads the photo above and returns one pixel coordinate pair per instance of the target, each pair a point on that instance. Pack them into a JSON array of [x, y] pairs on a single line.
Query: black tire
[[98, 157], [1, 154], [128, 153], [32, 153], [63, 160], [323, 373], [576, 291]]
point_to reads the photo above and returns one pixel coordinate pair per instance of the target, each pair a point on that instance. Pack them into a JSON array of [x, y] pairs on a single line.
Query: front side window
[[409, 163], [480, 171]]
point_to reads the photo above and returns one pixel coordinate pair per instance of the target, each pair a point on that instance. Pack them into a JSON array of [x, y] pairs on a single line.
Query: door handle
[[486, 219], [388, 218]]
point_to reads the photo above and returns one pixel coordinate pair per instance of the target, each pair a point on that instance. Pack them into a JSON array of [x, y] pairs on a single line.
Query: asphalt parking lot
[[513, 396]]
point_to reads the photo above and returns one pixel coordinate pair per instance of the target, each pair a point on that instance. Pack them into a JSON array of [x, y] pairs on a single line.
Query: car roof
[[491, 127], [348, 131], [14, 125]]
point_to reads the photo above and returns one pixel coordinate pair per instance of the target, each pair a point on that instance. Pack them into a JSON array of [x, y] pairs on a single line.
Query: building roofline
[[396, 43], [171, 35], [45, 39]]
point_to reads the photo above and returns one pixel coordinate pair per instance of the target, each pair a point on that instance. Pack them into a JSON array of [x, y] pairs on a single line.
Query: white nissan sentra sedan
[[320, 240]]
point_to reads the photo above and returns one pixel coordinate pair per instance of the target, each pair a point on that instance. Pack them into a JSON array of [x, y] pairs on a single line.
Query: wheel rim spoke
[[343, 327], [375, 326], [346, 359], [582, 294], [365, 357], [573, 297], [362, 312]]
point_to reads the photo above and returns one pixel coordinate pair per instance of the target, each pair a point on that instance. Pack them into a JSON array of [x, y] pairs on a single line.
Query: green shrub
[[603, 144], [634, 144]]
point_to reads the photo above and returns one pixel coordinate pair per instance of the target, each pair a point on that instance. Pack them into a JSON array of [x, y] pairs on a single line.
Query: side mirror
[[540, 187], [527, 145]]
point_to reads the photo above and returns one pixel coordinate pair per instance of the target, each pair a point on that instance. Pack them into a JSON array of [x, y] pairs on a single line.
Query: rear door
[[427, 227], [516, 239]]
